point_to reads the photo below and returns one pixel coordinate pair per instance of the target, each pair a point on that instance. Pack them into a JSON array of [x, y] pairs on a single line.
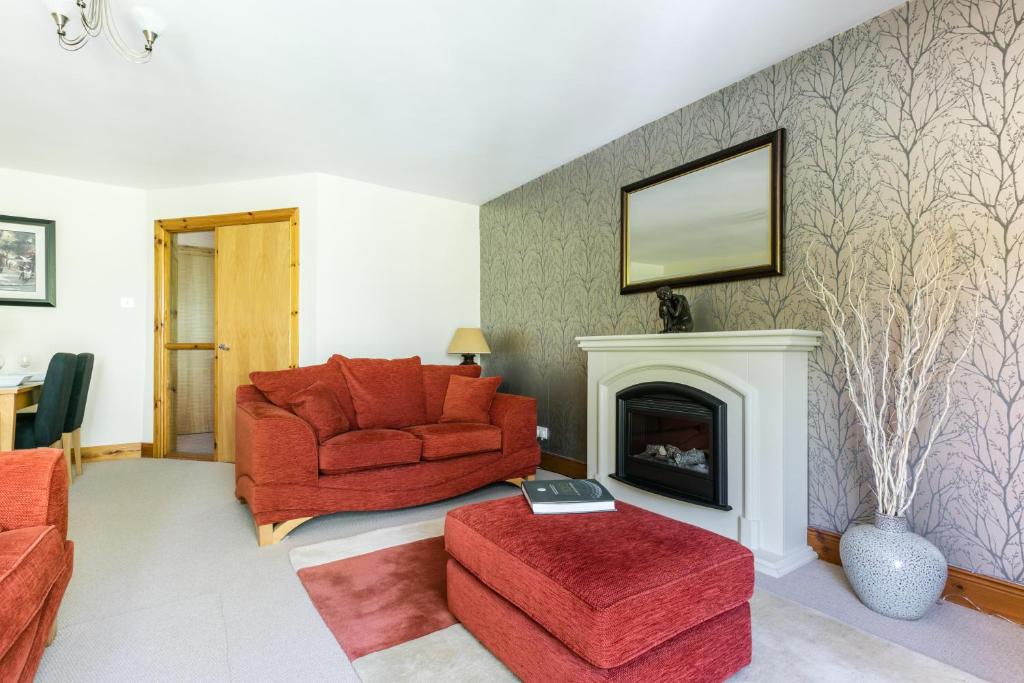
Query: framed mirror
[[715, 219]]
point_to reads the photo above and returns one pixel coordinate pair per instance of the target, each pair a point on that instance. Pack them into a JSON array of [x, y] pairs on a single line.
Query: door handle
[[223, 347]]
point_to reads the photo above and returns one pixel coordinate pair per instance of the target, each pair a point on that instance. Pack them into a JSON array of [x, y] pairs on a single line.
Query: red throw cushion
[[435, 386], [386, 393], [366, 449], [317, 405], [610, 586], [469, 400], [279, 385], [451, 440]]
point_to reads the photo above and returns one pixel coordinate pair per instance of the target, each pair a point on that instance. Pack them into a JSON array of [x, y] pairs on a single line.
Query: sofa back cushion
[[279, 385], [435, 386], [387, 394], [469, 400], [317, 405]]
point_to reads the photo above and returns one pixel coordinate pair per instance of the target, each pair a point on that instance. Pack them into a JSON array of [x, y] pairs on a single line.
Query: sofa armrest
[[273, 446], [517, 418], [34, 489], [248, 393]]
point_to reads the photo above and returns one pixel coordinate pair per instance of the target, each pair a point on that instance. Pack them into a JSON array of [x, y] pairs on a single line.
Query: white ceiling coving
[[455, 98]]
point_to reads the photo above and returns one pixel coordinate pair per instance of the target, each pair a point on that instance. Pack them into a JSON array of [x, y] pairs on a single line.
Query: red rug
[[382, 595], [384, 598]]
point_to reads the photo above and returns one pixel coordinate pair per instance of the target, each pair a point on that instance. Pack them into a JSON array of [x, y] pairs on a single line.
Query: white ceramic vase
[[892, 570]]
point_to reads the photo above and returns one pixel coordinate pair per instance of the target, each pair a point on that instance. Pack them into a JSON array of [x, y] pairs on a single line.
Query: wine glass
[[25, 360], [2, 361]]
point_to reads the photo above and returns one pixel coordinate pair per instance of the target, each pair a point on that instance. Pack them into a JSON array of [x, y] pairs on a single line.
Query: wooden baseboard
[[977, 591], [147, 450], [825, 543], [559, 464], [119, 451]]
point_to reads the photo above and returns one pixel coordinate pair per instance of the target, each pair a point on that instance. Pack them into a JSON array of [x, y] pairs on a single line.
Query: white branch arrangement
[[890, 338]]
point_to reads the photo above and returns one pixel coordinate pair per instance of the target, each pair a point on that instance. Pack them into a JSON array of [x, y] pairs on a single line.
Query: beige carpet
[[169, 585], [791, 642]]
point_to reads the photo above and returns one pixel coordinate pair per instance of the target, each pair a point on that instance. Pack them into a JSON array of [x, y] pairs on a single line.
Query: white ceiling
[[457, 98]]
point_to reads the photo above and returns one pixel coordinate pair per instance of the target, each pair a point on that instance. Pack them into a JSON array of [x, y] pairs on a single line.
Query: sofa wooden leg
[[52, 635], [518, 481], [269, 534]]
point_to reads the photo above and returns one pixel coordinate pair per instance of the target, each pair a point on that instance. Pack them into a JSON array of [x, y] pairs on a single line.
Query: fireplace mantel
[[762, 377], [747, 340]]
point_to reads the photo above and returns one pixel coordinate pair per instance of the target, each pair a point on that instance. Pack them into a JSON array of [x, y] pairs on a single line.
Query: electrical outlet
[[543, 433]]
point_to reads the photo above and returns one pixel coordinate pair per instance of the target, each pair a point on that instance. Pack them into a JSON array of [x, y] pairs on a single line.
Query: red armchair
[[35, 556], [287, 477]]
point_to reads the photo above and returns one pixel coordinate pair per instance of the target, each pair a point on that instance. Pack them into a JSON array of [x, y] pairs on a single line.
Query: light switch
[[127, 302]]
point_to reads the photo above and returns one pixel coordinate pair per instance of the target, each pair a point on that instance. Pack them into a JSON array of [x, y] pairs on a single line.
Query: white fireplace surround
[[762, 377]]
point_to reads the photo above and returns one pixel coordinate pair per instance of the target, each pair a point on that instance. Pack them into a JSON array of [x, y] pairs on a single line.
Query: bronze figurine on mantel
[[674, 311]]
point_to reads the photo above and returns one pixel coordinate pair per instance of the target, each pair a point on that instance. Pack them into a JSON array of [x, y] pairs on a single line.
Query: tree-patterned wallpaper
[[912, 120]]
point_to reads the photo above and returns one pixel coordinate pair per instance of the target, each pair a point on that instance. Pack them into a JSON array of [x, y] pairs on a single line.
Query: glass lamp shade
[[64, 7], [148, 20], [468, 340]]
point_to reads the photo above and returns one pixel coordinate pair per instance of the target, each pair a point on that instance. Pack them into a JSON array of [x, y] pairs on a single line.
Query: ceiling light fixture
[[98, 17]]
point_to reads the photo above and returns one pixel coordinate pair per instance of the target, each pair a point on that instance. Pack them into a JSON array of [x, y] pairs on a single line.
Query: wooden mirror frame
[[774, 141]]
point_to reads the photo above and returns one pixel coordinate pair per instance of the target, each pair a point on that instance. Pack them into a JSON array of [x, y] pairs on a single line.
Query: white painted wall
[[396, 272], [383, 272], [104, 253]]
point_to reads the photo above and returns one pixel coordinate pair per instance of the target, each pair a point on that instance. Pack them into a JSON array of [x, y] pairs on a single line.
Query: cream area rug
[[381, 594]]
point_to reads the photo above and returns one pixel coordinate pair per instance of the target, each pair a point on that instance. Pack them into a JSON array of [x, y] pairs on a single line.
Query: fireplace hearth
[[671, 441]]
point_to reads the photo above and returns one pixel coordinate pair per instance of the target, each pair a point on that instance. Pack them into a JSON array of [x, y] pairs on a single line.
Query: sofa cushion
[[279, 385], [317, 405], [435, 386], [31, 560], [364, 449], [386, 393], [452, 439], [610, 586], [469, 400]]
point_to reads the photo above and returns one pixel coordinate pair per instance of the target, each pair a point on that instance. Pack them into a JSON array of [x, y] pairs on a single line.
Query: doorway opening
[[190, 394], [226, 304]]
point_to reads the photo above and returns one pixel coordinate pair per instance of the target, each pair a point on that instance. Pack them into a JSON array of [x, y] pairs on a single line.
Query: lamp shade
[[468, 340]]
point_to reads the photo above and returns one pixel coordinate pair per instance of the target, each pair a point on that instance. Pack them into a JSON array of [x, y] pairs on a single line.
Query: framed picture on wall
[[28, 268]]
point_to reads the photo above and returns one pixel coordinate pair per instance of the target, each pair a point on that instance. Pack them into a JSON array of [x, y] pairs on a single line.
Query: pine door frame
[[163, 230]]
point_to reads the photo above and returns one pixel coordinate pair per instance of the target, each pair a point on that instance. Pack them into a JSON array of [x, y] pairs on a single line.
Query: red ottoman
[[608, 596]]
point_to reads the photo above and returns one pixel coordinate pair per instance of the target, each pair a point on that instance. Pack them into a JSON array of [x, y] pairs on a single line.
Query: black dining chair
[[44, 427], [72, 436]]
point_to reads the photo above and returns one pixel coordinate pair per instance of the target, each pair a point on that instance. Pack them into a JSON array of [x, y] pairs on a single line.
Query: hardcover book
[[561, 496]]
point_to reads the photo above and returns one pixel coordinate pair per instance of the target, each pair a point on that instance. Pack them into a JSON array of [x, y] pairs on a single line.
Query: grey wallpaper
[[912, 120]]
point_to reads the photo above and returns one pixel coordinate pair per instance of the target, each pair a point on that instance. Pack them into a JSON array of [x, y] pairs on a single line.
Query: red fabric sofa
[[287, 477], [35, 556]]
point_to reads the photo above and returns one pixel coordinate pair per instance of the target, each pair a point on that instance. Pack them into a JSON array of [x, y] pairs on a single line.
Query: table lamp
[[468, 341]]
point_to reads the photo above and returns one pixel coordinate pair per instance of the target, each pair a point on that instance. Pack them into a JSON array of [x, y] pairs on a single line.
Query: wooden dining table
[[13, 399]]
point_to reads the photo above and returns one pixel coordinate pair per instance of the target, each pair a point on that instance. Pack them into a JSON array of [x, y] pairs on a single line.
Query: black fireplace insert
[[671, 440]]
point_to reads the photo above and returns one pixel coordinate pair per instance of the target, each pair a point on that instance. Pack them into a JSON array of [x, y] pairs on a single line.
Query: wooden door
[[256, 316]]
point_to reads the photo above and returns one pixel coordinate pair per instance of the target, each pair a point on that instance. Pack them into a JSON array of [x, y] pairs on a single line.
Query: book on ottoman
[[617, 592], [555, 497]]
